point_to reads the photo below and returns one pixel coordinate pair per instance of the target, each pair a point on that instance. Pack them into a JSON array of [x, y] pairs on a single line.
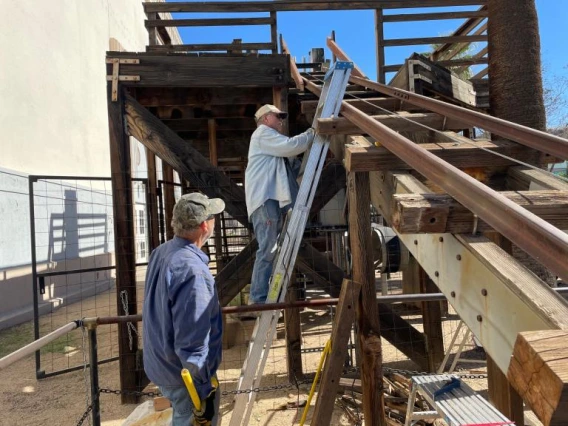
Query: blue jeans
[[267, 224], [183, 407]]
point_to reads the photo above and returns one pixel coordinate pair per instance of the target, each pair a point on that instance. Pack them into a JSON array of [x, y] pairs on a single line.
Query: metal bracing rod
[[36, 345], [538, 238], [541, 141]]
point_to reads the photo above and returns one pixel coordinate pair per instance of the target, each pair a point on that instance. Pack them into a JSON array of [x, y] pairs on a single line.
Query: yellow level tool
[[186, 376]]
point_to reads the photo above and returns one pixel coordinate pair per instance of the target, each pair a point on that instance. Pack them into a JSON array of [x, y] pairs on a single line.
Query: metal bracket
[[115, 77]]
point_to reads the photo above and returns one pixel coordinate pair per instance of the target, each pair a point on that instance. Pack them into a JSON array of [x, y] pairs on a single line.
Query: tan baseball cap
[[265, 109], [195, 208]]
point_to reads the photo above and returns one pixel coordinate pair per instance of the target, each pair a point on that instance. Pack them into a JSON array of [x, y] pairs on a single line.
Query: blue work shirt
[[182, 321]]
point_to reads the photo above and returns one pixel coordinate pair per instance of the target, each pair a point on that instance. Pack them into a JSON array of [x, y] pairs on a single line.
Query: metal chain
[[85, 416], [129, 326]]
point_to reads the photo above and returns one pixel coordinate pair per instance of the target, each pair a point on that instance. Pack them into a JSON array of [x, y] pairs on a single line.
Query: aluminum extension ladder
[[335, 83]]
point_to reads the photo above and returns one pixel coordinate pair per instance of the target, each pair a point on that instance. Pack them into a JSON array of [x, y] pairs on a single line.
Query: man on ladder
[[271, 188]]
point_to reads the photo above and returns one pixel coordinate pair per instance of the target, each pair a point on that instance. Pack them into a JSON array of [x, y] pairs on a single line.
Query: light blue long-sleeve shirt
[[182, 323], [265, 176]]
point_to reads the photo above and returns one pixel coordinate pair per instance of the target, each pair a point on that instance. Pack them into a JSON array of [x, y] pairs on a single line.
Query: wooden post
[[218, 237], [432, 320], [274, 32], [280, 100], [293, 327], [380, 45], [169, 198], [502, 395], [120, 165], [369, 337], [153, 224], [344, 318], [152, 31]]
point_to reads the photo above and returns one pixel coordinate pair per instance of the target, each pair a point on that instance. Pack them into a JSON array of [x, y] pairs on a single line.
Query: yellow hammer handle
[[186, 376]]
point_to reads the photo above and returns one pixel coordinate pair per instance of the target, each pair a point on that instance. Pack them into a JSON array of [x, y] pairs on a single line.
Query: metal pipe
[[94, 370], [538, 238], [541, 141], [35, 290], [36, 345]]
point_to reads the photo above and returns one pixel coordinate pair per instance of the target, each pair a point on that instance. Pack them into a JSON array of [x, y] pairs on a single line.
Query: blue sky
[[355, 33]]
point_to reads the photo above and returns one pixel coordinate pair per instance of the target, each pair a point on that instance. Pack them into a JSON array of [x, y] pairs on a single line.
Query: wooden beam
[[525, 178], [293, 331], [539, 372], [157, 69], [293, 68], [295, 5], [369, 334], [368, 105], [450, 63], [169, 198], [380, 45], [193, 167], [461, 155], [399, 122], [434, 40], [221, 22], [437, 213], [201, 124], [495, 295], [343, 322], [124, 249], [502, 395], [432, 322], [411, 17], [153, 223], [205, 97], [208, 47]]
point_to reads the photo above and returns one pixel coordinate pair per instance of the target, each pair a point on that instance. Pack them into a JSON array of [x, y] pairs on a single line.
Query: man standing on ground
[[271, 188], [182, 321]]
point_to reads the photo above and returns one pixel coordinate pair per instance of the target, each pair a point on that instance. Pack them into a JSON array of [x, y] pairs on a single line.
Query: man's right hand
[[207, 412]]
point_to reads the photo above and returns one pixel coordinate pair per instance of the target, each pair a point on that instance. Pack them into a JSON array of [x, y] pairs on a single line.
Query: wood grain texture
[[295, 5], [183, 70], [400, 122], [192, 166], [436, 213], [209, 47], [539, 372], [124, 247], [369, 334], [462, 155], [345, 315], [154, 227]]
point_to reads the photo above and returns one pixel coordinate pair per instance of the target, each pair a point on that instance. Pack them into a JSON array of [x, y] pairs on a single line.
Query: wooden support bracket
[[115, 77]]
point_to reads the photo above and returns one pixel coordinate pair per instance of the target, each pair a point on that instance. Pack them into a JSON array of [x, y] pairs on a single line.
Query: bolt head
[[479, 318]]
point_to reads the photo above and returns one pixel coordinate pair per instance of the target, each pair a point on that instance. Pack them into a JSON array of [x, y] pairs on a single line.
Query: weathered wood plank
[[295, 5], [208, 47], [201, 124], [435, 16], [193, 166], [293, 330], [344, 317], [434, 40], [400, 122], [192, 71], [436, 213], [205, 97], [367, 105], [524, 178], [539, 372], [369, 333], [123, 211], [216, 22], [462, 155], [432, 321]]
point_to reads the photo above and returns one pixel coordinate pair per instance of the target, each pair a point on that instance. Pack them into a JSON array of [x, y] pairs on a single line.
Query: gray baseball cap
[[193, 209]]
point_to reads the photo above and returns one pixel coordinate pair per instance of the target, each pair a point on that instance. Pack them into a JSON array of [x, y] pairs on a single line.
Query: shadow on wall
[[75, 239]]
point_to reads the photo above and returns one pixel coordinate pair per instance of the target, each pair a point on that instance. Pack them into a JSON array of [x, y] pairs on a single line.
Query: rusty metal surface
[[538, 238], [541, 141]]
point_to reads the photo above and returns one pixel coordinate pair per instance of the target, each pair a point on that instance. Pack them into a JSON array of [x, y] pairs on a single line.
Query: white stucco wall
[[53, 116]]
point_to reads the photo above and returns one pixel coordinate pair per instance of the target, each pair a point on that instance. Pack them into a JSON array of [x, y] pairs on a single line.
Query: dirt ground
[[62, 399]]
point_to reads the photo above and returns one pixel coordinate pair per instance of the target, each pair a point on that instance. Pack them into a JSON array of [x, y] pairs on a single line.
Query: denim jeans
[[183, 407], [267, 224]]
